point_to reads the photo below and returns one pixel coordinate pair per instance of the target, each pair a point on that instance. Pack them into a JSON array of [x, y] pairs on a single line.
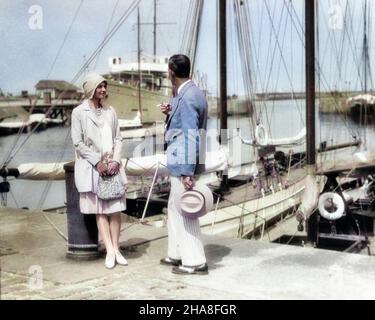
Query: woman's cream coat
[[87, 142]]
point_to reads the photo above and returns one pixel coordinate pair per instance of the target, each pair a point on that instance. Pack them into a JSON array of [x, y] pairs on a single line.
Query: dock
[[20, 108], [34, 267]]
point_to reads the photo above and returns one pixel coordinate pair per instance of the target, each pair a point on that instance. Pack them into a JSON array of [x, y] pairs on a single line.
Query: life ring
[[261, 135], [331, 206]]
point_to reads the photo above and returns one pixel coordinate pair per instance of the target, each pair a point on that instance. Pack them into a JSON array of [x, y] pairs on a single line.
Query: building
[[57, 89]]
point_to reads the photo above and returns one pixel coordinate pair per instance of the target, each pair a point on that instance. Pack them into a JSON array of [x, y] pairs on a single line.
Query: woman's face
[[101, 91]]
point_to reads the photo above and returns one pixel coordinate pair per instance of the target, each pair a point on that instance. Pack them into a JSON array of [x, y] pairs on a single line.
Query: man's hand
[[102, 168], [113, 168], [188, 182], [165, 108]]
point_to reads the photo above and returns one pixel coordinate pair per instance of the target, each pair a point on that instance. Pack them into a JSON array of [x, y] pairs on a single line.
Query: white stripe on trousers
[[184, 235]]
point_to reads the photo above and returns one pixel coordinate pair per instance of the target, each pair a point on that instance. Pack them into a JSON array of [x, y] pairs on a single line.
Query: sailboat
[[338, 206], [361, 107]]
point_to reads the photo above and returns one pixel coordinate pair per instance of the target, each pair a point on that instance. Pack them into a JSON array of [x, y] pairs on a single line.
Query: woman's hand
[[113, 168], [102, 168]]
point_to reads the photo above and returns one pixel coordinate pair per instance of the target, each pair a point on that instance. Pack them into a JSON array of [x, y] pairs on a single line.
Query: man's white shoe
[[110, 261], [120, 259]]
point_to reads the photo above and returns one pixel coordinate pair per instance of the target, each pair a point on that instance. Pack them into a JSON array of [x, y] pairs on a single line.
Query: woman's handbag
[[110, 187]]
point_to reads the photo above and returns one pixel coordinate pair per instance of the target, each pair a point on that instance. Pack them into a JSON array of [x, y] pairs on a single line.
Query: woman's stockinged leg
[[104, 230], [115, 226]]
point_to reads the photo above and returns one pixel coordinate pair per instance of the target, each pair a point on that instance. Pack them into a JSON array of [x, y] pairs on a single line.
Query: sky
[[29, 52], [33, 31]]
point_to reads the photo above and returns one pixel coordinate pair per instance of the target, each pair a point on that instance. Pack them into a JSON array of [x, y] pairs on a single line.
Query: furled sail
[[310, 197], [42, 171], [215, 161], [138, 166]]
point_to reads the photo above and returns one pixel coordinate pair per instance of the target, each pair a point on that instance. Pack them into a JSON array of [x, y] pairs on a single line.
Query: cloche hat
[[90, 83]]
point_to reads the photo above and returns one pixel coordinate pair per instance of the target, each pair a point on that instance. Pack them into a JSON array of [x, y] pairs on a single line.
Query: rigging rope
[[108, 37], [65, 38], [245, 44], [191, 33], [123, 18], [324, 82], [281, 54], [107, 30]]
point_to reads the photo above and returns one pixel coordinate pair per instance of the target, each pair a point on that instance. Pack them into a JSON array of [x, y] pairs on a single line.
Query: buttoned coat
[[87, 141], [185, 132]]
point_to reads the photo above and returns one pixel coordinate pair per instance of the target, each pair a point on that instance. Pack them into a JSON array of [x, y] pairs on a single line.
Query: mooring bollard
[[82, 228]]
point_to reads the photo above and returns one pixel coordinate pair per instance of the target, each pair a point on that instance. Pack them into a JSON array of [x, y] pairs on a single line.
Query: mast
[[223, 80], [366, 58], [305, 209], [365, 48], [139, 63], [155, 24], [310, 84]]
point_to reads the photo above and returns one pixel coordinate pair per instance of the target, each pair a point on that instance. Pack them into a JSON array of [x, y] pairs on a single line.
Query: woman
[[97, 141]]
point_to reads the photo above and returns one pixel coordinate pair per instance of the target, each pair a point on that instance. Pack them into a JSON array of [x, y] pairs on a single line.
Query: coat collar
[[90, 113]]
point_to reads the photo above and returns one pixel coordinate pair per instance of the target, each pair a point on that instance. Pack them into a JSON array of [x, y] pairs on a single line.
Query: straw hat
[[91, 83], [194, 203]]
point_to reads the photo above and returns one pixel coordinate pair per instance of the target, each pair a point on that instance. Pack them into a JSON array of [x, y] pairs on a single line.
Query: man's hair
[[180, 65]]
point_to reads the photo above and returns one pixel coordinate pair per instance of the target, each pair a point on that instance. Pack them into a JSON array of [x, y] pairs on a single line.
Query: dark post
[[82, 229], [223, 79], [310, 82]]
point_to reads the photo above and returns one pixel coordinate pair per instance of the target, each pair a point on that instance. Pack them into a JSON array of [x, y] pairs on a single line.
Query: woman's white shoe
[[110, 261], [120, 259]]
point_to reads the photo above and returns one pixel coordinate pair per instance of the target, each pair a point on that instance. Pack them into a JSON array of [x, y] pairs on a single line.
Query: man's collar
[[182, 85]]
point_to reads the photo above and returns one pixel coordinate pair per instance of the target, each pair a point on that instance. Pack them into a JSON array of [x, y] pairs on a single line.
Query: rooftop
[[61, 85]]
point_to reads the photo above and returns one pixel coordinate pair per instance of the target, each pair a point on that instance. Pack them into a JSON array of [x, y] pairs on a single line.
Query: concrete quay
[[34, 267]]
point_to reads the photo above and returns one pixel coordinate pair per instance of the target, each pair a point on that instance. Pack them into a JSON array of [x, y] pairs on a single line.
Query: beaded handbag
[[110, 187]]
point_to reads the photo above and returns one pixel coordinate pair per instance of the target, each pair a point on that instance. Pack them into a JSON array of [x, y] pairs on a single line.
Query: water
[[285, 119]]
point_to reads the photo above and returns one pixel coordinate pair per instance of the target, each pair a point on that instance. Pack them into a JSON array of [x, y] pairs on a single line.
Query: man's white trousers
[[184, 235]]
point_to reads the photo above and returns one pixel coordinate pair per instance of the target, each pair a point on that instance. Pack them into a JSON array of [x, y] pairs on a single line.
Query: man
[[186, 126]]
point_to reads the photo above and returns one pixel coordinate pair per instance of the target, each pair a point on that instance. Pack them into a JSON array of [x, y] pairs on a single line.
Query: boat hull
[[363, 114], [242, 219], [125, 99]]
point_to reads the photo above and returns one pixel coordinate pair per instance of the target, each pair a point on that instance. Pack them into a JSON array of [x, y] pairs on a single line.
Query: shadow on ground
[[134, 247], [215, 254]]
